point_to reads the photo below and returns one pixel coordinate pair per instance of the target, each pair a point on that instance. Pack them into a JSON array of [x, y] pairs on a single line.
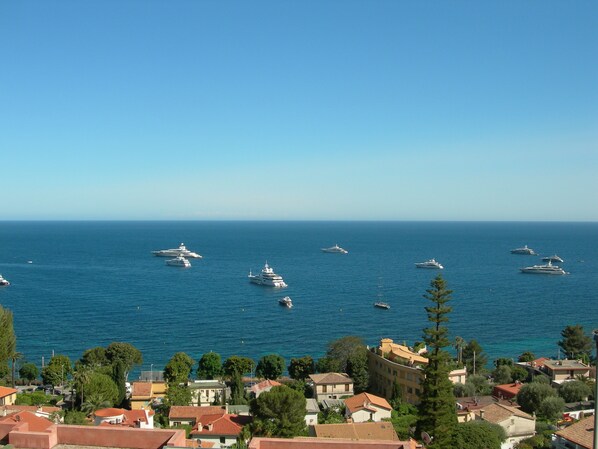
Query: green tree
[[128, 354], [237, 390], [8, 340], [551, 408], [75, 417], [574, 391], [328, 365], [502, 374], [474, 358], [342, 349], [503, 361], [270, 366], [279, 412], [178, 369], [118, 376], [575, 343], [57, 370], [332, 415], [519, 373], [29, 371], [437, 406], [238, 364], [95, 402], [209, 366], [178, 395], [396, 397], [527, 356], [300, 368], [459, 344], [94, 358], [478, 435], [532, 394], [357, 369], [81, 378], [101, 389], [464, 390]]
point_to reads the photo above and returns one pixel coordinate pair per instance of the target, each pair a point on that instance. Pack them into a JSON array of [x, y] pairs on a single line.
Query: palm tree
[[14, 357], [459, 344], [81, 377], [95, 402]]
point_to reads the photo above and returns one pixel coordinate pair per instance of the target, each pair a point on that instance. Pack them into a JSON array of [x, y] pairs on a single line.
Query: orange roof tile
[[30, 408], [331, 378], [363, 400], [6, 391], [141, 389], [190, 412], [580, 433], [220, 425], [357, 431], [35, 423], [265, 385]]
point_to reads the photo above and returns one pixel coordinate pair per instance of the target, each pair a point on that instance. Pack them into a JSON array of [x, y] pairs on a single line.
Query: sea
[[77, 285]]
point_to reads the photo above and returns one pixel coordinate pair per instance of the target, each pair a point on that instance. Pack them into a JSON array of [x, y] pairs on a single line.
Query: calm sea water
[[91, 283]]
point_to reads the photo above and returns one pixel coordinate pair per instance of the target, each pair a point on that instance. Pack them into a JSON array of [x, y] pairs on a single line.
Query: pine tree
[[437, 407]]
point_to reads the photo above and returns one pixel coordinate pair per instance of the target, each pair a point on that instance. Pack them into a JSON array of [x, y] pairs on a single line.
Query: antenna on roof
[[426, 437]]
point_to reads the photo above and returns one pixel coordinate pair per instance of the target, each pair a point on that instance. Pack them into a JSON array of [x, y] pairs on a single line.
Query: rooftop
[[357, 431], [364, 401], [6, 391], [393, 351], [580, 433], [191, 412], [566, 365], [331, 378], [497, 413], [327, 443], [220, 425]]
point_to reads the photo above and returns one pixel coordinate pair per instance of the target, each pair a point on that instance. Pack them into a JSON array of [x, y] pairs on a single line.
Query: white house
[[311, 412], [142, 419], [331, 385], [367, 407], [207, 392], [518, 425]]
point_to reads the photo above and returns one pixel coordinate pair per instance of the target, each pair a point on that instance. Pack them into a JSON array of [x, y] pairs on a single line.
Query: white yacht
[[286, 302], [382, 305], [174, 252], [335, 249], [178, 261], [553, 258], [3, 282], [525, 250], [429, 264], [549, 268], [267, 277]]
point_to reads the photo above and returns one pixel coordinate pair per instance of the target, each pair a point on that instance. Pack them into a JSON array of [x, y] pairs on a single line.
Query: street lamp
[[595, 333], [152, 373]]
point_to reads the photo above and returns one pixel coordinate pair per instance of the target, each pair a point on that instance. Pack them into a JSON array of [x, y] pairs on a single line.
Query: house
[[337, 404], [577, 436], [311, 412], [331, 385], [46, 411], [207, 392], [262, 387], [22, 421], [560, 371], [8, 396], [391, 363], [220, 429], [355, 431], [507, 391], [367, 407], [517, 424], [191, 415], [143, 394], [142, 419], [328, 443]]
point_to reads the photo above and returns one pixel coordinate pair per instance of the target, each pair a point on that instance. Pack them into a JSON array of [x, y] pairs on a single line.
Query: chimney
[[210, 427], [199, 426], [482, 411]]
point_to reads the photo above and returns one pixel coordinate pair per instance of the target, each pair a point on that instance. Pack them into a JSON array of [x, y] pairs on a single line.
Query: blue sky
[[366, 110]]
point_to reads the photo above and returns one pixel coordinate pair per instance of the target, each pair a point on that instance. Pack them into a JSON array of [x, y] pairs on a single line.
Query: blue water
[[92, 283]]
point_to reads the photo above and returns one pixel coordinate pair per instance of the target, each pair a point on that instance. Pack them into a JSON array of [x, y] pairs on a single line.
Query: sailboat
[[379, 303]]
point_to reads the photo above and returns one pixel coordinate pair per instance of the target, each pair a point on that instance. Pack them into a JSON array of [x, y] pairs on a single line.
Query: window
[[222, 440], [346, 387], [324, 390]]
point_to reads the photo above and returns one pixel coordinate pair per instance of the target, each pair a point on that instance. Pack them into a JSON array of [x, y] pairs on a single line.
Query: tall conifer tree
[[437, 407]]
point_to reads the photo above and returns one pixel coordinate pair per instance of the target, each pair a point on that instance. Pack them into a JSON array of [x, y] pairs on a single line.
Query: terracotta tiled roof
[[580, 433], [357, 431], [199, 444], [363, 400], [497, 413], [220, 425], [30, 408], [35, 423], [5, 391], [141, 389], [265, 385], [507, 390], [178, 411], [330, 378], [109, 412]]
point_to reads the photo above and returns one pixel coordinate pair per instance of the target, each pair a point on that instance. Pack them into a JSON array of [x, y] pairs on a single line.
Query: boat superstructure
[[525, 250], [432, 263], [286, 302], [549, 268], [174, 252], [178, 261], [382, 305], [267, 277], [335, 249], [553, 258], [3, 282]]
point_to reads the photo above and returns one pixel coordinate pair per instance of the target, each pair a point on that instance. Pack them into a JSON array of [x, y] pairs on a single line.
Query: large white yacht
[[553, 258], [178, 261], [549, 268], [429, 264], [525, 250], [335, 249], [174, 252], [3, 282], [267, 277]]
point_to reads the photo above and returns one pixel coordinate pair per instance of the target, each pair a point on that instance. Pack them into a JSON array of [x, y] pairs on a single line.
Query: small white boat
[[174, 252], [286, 302], [267, 277], [3, 282], [381, 305], [430, 264], [178, 261], [525, 250], [553, 258], [549, 268], [335, 249]]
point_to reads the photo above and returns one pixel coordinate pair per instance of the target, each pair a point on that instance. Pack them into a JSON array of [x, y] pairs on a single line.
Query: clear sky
[[375, 110]]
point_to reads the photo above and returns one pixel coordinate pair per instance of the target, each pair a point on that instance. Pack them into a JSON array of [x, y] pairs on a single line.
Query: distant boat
[[381, 305], [429, 264], [525, 250], [553, 258], [178, 261], [549, 268], [3, 282], [267, 277], [286, 302], [335, 249], [174, 252]]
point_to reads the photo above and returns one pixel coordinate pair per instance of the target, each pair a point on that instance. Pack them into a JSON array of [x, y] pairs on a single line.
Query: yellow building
[[144, 393], [8, 396]]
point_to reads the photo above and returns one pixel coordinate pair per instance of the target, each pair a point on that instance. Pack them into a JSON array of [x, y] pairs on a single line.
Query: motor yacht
[[549, 268], [178, 261], [525, 250], [429, 264], [553, 258], [267, 277], [3, 282], [381, 305], [174, 252], [335, 249], [286, 302]]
